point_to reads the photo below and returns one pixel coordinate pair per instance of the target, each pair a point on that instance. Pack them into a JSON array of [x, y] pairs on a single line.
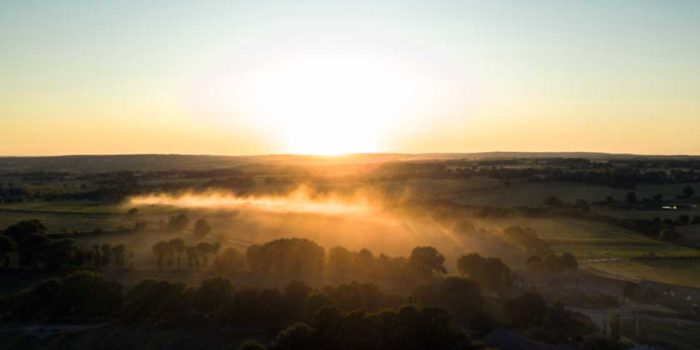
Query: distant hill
[[162, 162]]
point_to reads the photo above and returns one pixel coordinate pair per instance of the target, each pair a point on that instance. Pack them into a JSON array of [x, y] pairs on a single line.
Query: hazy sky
[[226, 77]]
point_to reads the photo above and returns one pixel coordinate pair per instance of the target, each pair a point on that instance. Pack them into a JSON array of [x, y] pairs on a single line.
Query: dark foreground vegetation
[[444, 313], [427, 308]]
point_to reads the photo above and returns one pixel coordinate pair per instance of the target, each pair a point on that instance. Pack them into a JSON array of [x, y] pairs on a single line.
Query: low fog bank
[[356, 220]]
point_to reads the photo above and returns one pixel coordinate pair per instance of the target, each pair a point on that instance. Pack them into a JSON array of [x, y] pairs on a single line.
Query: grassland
[[611, 250], [600, 247]]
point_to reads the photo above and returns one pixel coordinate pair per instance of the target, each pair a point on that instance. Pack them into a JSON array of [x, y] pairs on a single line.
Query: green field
[[607, 249], [600, 247]]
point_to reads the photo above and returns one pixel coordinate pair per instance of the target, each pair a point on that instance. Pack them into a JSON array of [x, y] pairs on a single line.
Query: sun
[[331, 105]]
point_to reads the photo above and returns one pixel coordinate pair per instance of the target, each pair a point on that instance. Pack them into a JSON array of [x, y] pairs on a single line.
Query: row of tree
[[346, 316], [36, 250], [171, 253]]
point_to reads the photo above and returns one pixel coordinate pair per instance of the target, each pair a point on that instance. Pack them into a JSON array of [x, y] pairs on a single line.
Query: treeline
[[346, 316], [288, 259], [37, 251], [116, 186], [616, 174], [302, 259], [655, 228]]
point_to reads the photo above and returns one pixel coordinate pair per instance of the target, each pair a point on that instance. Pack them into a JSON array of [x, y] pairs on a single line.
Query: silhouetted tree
[[250, 345], [201, 228], [178, 223], [688, 192], [204, 249], [297, 337], [30, 248], [460, 296], [132, 213], [119, 252], [526, 310], [7, 245], [106, 254], [289, 257], [212, 295], [176, 247], [427, 261], [56, 255], [86, 293], [152, 300], [23, 229], [161, 249], [230, 261], [488, 272]]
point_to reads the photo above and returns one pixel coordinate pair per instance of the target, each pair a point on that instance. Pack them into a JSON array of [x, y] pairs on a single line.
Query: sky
[[328, 77]]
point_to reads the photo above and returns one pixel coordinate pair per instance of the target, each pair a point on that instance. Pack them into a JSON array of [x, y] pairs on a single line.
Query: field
[[609, 250], [599, 247]]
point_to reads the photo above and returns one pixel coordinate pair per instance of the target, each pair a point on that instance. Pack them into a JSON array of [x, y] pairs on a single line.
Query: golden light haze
[[298, 201]]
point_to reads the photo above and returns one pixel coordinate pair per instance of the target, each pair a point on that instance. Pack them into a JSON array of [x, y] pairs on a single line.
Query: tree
[[161, 249], [426, 261], [86, 293], [462, 297], [250, 345], [178, 223], [488, 272], [526, 238], [132, 213], [57, 255], [526, 310], [155, 299], [204, 249], [553, 263], [295, 295], [212, 295], [631, 197], [568, 262], [615, 326], [658, 197], [106, 250], [297, 337], [176, 248], [30, 248], [229, 262], [201, 228], [7, 245], [293, 258], [688, 192], [192, 256], [340, 260], [23, 229], [119, 252]]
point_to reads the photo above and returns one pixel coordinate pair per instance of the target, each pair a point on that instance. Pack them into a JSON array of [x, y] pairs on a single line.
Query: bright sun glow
[[331, 105]]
